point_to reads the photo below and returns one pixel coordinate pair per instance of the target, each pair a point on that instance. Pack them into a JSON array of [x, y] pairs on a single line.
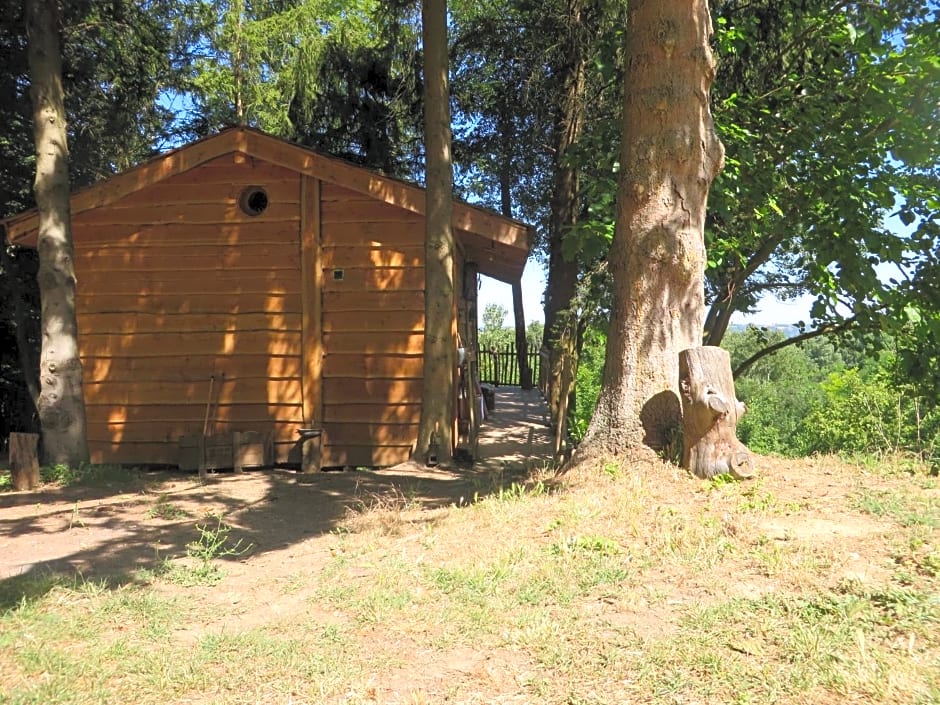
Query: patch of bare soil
[[119, 528]]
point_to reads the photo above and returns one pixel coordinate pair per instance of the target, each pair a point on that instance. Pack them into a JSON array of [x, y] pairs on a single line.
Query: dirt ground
[[116, 528]]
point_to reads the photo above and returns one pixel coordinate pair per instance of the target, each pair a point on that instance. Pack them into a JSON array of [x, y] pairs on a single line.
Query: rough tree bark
[[670, 156], [61, 404], [710, 413], [440, 335]]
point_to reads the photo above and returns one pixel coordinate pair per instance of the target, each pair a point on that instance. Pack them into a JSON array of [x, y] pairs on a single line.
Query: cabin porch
[[516, 434]]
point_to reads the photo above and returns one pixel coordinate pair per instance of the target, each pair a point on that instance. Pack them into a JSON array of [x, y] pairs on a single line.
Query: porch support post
[[522, 352], [311, 272]]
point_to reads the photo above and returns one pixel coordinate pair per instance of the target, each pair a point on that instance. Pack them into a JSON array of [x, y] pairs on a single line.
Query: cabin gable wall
[[185, 300]]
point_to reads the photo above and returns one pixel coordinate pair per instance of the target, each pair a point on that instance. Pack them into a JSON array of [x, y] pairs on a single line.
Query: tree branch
[[802, 337]]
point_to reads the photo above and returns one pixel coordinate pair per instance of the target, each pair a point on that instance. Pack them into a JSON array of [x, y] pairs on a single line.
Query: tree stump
[[710, 413], [24, 461]]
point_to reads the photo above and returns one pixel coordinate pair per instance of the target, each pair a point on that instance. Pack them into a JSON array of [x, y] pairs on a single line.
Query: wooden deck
[[516, 434]]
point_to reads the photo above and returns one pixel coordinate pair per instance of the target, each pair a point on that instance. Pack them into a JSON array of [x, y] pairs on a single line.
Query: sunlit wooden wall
[[373, 328], [177, 285]]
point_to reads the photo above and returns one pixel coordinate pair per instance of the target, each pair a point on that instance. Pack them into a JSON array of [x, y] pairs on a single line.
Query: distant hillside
[[785, 328]]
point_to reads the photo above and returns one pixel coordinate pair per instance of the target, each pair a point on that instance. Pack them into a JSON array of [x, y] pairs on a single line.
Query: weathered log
[[24, 460], [710, 413]]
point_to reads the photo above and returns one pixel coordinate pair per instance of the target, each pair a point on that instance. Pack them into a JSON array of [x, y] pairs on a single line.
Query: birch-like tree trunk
[[562, 283], [435, 434], [61, 403], [670, 156]]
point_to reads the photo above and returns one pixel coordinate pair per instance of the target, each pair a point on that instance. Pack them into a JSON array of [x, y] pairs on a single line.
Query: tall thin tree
[[670, 156], [61, 402], [435, 434]]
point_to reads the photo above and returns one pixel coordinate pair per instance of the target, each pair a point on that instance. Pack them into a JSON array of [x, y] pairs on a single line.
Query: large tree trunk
[[435, 434], [61, 404], [562, 272], [670, 157]]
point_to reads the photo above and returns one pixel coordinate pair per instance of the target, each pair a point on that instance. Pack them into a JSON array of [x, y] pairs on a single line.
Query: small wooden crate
[[252, 449], [219, 451], [209, 452], [190, 453]]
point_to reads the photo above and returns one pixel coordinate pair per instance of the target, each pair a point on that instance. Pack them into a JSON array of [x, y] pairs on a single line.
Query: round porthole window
[[254, 200]]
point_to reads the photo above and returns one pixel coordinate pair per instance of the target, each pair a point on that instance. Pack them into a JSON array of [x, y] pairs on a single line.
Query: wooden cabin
[[245, 284]]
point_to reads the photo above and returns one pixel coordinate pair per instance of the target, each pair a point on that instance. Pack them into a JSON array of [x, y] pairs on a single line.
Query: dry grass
[[816, 583]]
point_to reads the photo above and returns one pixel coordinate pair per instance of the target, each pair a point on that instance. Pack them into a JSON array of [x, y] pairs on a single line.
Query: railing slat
[[500, 366]]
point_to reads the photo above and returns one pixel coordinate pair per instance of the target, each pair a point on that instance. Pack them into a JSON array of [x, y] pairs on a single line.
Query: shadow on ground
[[117, 528]]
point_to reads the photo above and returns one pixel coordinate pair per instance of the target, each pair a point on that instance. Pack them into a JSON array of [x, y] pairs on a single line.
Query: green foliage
[[494, 334], [86, 474], [820, 113], [866, 412], [806, 399], [336, 75], [588, 381]]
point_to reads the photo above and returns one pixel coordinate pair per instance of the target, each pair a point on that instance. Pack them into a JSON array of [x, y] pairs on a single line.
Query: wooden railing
[[500, 366]]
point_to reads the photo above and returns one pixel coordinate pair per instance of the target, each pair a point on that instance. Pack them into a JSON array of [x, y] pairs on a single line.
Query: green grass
[[165, 509], [908, 508], [625, 588], [88, 474]]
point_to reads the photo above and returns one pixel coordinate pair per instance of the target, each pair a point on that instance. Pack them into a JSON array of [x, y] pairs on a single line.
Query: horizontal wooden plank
[[394, 233], [91, 345], [254, 231], [401, 321], [371, 278], [172, 431], [195, 411], [178, 292], [344, 390], [186, 213], [335, 192], [373, 342], [362, 434], [158, 169], [372, 413], [205, 260], [190, 368], [367, 456], [283, 188], [130, 453], [373, 300], [163, 453], [128, 323], [232, 167], [372, 256], [246, 391], [366, 212], [157, 303], [373, 366]]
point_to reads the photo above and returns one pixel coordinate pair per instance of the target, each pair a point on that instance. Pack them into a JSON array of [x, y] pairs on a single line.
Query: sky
[[769, 311]]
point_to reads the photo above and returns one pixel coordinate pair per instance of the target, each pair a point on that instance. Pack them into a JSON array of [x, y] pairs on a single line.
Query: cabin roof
[[498, 245]]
